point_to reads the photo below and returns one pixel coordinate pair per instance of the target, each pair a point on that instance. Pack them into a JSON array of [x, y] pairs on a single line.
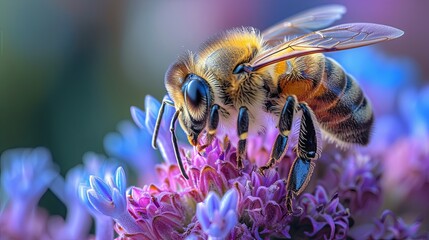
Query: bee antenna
[[248, 69], [174, 141], [158, 121]]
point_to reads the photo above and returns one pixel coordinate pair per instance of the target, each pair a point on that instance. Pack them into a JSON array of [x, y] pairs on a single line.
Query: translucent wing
[[304, 22], [335, 38]]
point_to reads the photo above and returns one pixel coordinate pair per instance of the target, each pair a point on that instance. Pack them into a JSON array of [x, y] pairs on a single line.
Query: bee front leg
[[242, 131], [175, 145], [284, 125], [308, 150], [212, 126]]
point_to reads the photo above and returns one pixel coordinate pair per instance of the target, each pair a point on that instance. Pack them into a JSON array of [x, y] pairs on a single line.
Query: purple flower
[[401, 144], [389, 226], [321, 217], [356, 179], [262, 205], [171, 207], [406, 171], [161, 214], [217, 217]]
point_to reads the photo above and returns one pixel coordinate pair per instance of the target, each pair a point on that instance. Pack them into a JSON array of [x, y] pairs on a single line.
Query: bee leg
[[276, 152], [242, 131], [212, 126], [175, 146], [299, 176], [284, 125], [158, 121], [309, 134], [307, 152]]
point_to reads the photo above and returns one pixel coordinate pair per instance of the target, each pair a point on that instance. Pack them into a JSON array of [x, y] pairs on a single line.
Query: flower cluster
[[356, 179], [220, 201], [323, 217]]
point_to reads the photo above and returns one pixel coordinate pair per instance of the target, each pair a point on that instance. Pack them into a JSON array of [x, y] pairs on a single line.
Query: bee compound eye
[[195, 92]]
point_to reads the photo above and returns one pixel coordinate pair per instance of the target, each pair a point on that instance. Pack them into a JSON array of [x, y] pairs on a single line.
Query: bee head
[[191, 95], [197, 98]]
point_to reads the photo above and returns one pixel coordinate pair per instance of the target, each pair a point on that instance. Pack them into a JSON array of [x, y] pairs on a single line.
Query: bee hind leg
[[242, 131], [299, 176], [308, 150], [284, 126]]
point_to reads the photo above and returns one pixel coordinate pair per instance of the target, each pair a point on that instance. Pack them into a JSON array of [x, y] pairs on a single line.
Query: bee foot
[[261, 170], [289, 206], [240, 165], [201, 148]]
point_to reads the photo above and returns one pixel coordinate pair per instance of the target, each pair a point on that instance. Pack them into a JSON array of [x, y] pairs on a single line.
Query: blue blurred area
[[70, 70]]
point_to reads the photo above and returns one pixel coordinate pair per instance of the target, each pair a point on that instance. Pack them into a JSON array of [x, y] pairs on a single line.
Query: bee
[[242, 82]]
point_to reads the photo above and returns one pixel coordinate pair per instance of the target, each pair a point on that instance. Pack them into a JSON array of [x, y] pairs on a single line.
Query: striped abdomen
[[338, 102]]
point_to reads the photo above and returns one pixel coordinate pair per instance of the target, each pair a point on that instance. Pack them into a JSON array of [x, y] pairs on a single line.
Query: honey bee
[[242, 82]]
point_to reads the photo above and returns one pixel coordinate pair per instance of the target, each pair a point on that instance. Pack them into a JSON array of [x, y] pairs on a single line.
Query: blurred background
[[70, 70]]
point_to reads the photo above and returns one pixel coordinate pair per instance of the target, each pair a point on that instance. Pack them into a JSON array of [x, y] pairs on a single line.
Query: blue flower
[[414, 109], [217, 217], [98, 165], [26, 175], [133, 145], [147, 120], [95, 165], [78, 220], [109, 198]]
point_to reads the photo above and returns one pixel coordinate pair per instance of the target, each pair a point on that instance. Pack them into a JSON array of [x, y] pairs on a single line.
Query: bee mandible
[[242, 82]]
